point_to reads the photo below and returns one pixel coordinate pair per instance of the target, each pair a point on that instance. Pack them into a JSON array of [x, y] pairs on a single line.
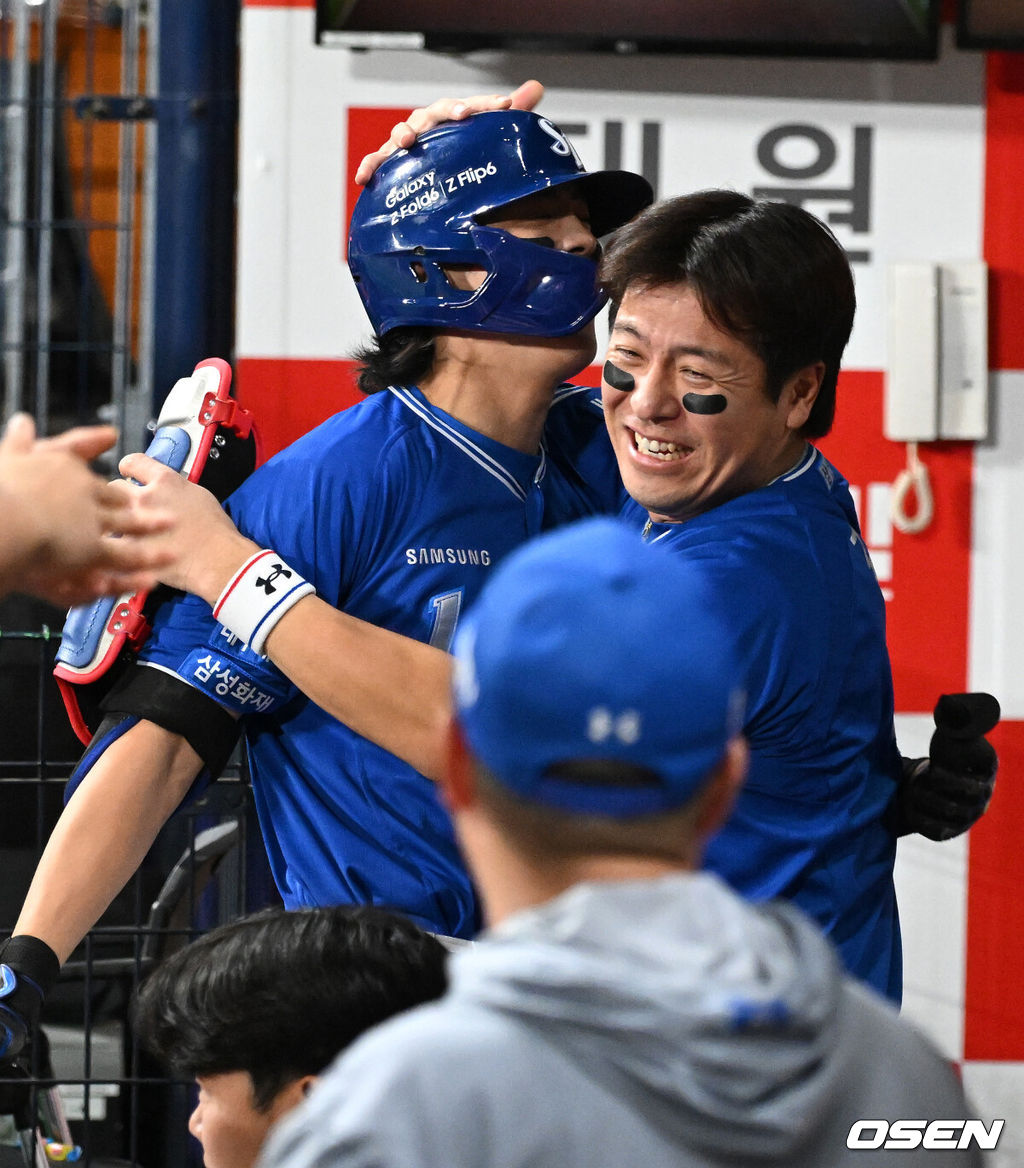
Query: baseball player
[[475, 258], [721, 367]]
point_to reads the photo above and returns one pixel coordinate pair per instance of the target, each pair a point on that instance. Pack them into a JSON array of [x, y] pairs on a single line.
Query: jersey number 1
[[446, 616]]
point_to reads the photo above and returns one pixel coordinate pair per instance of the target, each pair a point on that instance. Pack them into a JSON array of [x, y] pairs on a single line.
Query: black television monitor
[[881, 29]]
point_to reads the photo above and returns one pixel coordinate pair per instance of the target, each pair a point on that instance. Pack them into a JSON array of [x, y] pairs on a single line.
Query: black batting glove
[[28, 969], [941, 796]]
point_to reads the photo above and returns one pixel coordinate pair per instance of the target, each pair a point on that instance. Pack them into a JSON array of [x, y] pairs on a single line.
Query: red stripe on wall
[[289, 396], [994, 1021], [1004, 182], [368, 128]]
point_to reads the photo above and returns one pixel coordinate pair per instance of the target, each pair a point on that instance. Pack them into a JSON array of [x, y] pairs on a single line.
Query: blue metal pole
[[196, 163]]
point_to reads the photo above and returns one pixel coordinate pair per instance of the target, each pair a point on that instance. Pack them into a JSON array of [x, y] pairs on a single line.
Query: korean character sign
[[798, 185]]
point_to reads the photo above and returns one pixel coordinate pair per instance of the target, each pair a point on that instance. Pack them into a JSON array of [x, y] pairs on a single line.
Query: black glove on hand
[[28, 969], [943, 795]]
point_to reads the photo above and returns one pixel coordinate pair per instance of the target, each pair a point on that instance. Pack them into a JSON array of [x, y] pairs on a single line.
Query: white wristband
[[262, 590]]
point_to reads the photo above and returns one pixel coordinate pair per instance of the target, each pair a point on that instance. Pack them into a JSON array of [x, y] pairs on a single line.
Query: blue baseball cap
[[589, 644]]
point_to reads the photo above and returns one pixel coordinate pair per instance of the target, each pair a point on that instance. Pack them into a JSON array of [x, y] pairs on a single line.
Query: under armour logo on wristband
[[267, 583], [249, 616]]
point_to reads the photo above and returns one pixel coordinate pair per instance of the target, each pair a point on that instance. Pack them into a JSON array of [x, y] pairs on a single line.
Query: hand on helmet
[[445, 109]]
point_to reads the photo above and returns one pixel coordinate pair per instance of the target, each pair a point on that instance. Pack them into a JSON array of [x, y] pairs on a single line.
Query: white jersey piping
[[468, 447]]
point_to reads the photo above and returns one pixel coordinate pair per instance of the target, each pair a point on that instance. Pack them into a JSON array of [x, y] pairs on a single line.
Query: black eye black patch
[[699, 403], [618, 378]]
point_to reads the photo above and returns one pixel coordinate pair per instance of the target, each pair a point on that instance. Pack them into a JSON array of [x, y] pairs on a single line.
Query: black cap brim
[[614, 197]]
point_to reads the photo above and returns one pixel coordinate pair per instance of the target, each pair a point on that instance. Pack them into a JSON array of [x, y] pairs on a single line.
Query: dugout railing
[[117, 124], [206, 867]]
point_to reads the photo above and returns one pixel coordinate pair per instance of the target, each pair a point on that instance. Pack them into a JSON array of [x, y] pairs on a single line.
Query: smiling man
[[697, 428], [732, 316]]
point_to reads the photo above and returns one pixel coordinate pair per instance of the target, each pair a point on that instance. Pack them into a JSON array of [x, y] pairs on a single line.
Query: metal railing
[[76, 212], [81, 116], [206, 867]]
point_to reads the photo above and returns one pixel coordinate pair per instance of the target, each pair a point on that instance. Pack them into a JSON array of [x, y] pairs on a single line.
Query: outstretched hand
[[59, 520], [445, 109], [203, 548]]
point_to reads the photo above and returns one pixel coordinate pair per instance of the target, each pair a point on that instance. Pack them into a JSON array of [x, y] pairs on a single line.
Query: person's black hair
[[768, 273], [400, 357], [551, 835], [280, 993]]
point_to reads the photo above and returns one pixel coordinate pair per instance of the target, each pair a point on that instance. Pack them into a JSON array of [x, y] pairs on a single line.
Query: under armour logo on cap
[[602, 725], [549, 673]]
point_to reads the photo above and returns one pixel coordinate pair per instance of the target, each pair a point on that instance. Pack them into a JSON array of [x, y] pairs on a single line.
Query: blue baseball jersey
[[809, 620], [396, 512]]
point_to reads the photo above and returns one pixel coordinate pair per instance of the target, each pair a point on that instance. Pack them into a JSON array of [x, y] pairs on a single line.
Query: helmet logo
[[409, 188], [561, 144]]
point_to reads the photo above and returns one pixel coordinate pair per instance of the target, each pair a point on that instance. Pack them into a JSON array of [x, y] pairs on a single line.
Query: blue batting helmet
[[420, 211]]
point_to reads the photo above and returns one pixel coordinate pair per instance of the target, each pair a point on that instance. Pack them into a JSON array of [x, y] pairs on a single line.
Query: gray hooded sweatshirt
[[646, 1024]]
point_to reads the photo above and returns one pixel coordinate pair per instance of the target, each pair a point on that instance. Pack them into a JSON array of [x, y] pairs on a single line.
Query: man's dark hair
[[551, 834], [768, 273], [400, 357], [279, 994]]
